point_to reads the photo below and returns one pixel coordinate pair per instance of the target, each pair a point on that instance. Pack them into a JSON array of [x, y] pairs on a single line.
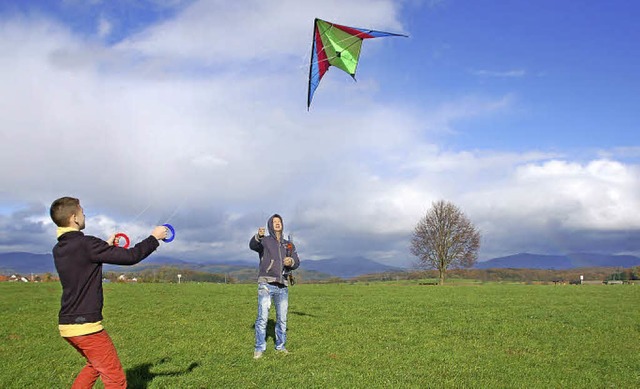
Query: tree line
[[169, 274], [506, 275]]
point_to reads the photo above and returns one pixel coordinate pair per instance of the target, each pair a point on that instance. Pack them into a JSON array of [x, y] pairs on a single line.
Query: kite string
[[175, 210], [131, 221], [140, 214]]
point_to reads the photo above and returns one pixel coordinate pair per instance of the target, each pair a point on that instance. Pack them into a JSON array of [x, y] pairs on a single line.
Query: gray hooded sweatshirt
[[272, 253]]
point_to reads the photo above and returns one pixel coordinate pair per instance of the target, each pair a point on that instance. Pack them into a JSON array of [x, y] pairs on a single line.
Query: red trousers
[[102, 361]]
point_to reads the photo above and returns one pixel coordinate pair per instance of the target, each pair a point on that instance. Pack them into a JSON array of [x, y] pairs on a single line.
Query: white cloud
[[104, 27], [549, 199], [209, 161], [222, 33], [602, 192]]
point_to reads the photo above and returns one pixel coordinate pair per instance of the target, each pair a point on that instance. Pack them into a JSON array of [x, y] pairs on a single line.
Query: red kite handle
[[116, 241]]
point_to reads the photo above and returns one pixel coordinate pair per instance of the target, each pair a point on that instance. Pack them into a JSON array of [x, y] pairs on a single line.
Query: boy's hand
[[111, 239], [160, 232], [288, 261], [260, 232]]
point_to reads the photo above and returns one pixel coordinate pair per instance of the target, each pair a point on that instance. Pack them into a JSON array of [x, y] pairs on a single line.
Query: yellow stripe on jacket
[[64, 230], [69, 330]]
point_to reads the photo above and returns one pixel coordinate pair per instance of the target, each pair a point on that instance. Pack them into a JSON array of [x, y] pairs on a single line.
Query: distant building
[[592, 282]]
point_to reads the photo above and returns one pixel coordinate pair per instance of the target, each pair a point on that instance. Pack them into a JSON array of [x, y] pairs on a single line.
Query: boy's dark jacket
[[272, 253], [78, 259]]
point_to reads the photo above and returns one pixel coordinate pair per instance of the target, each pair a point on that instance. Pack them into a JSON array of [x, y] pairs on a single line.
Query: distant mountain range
[[348, 267], [25, 263], [559, 262]]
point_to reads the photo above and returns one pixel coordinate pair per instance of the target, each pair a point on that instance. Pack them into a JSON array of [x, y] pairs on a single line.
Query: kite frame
[[356, 32]]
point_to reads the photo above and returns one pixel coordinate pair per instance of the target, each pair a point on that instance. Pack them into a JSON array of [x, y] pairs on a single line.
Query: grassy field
[[340, 336]]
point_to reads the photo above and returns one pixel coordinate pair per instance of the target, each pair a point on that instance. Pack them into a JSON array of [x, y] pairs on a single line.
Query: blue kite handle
[[173, 233]]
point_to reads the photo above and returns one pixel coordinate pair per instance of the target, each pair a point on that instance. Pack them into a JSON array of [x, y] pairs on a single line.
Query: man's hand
[[260, 232], [160, 232], [288, 261]]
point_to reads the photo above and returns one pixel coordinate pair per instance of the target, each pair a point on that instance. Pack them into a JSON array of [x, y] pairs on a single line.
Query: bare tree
[[445, 238]]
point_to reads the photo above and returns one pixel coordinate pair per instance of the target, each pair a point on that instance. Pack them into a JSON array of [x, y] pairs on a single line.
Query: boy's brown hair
[[62, 209]]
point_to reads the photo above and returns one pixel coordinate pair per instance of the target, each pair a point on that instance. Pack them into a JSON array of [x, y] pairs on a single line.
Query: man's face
[[78, 218], [277, 224]]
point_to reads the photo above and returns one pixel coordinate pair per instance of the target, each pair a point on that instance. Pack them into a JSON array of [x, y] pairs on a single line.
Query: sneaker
[[257, 354], [283, 351]]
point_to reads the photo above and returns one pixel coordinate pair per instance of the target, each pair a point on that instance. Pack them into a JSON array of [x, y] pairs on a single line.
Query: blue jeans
[[280, 296]]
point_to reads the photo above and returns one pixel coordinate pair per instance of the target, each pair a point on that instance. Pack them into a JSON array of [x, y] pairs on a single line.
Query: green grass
[[340, 336]]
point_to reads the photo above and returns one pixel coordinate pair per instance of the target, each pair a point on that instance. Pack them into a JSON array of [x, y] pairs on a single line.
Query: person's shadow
[[298, 313], [140, 376], [271, 330], [271, 325]]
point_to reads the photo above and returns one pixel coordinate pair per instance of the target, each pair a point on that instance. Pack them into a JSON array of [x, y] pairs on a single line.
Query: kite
[[339, 46]]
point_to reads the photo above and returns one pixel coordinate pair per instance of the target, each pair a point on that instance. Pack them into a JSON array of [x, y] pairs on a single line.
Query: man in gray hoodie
[[278, 257]]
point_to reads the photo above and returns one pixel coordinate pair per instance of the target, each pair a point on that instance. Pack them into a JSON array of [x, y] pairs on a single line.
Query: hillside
[[347, 267], [25, 263], [559, 262]]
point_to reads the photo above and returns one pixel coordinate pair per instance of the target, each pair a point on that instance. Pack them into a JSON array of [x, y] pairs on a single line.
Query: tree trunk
[[441, 278]]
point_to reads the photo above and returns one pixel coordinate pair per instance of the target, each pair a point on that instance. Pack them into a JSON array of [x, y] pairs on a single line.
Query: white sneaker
[[283, 351], [257, 354]]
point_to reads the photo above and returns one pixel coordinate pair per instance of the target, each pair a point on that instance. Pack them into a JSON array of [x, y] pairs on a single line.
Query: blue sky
[[523, 114]]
